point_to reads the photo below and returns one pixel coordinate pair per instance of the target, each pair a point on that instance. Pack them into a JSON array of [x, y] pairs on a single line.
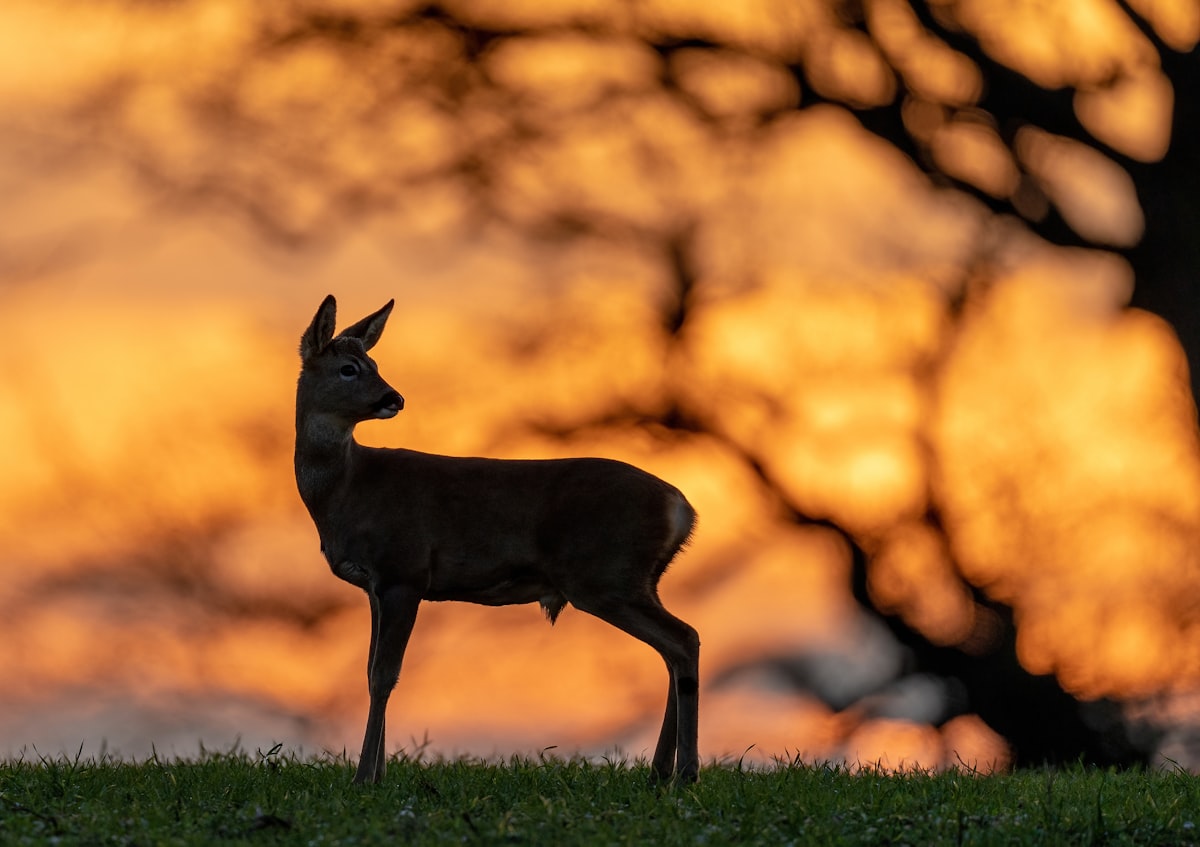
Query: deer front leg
[[381, 758], [393, 613]]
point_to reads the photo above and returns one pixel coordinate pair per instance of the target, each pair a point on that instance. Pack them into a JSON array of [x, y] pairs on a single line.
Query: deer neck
[[324, 448]]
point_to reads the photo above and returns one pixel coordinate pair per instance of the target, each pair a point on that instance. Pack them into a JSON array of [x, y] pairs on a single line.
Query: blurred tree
[[614, 124], [1123, 105]]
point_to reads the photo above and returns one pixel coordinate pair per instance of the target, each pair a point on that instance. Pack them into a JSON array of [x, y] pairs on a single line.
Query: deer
[[406, 526]]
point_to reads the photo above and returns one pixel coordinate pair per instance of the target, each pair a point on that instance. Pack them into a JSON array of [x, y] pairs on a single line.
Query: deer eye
[[348, 371]]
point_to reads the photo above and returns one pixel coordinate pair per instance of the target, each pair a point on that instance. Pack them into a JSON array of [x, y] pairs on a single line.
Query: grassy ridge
[[272, 799]]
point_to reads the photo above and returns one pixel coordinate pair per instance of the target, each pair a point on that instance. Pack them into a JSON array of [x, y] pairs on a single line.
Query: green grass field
[[275, 799]]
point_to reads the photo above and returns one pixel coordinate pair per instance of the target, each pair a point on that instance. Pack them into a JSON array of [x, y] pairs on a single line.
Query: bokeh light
[[611, 230]]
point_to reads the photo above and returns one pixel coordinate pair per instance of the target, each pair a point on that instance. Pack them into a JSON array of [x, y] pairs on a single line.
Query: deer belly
[[501, 588]]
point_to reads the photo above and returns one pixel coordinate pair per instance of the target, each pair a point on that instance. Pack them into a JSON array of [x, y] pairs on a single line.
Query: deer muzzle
[[389, 405]]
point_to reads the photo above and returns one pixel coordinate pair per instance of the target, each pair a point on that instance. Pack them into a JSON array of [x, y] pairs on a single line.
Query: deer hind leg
[[393, 614], [663, 762], [679, 646]]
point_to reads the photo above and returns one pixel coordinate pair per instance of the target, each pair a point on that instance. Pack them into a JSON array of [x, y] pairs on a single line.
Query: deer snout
[[389, 405]]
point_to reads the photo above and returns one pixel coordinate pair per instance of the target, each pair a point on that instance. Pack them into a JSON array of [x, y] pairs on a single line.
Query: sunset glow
[[864, 356]]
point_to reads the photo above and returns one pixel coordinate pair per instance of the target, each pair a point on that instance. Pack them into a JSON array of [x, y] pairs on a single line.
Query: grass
[[268, 799]]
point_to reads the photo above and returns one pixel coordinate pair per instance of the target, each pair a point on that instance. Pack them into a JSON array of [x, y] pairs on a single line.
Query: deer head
[[339, 381]]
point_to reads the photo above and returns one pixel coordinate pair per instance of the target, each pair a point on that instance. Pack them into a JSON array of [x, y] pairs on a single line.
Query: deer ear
[[369, 328], [320, 331]]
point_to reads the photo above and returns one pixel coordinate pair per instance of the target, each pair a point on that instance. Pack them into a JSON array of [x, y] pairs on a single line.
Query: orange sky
[[146, 421]]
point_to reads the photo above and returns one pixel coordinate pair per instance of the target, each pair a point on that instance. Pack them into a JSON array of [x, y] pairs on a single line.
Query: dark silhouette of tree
[[1166, 258]]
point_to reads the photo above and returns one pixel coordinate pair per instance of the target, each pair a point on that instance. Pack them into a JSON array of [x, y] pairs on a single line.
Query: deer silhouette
[[406, 526]]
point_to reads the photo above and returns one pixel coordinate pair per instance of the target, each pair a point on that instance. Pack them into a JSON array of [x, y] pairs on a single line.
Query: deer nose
[[389, 405]]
